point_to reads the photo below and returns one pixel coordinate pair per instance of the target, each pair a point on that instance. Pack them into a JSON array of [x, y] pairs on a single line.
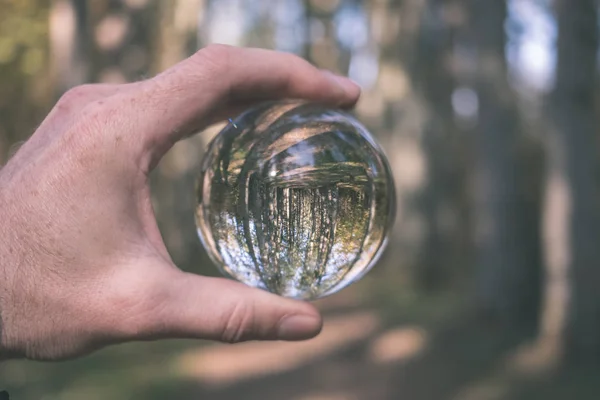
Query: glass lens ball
[[296, 199]]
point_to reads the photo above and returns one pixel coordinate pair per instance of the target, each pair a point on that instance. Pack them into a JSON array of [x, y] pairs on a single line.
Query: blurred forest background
[[488, 112]]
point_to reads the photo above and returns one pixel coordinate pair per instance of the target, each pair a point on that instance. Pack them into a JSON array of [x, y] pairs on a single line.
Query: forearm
[[3, 279], [6, 250]]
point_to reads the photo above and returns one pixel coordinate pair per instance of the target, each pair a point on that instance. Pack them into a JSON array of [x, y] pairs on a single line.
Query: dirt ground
[[362, 354]]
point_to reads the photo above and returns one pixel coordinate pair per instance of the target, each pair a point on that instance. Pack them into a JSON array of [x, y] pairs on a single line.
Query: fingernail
[[299, 327], [350, 87]]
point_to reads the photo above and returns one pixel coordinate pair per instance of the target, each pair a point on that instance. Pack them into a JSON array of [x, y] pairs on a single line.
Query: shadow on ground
[[467, 361], [361, 354]]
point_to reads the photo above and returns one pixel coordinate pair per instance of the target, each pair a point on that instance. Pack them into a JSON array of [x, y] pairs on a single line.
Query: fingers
[[228, 311], [219, 79]]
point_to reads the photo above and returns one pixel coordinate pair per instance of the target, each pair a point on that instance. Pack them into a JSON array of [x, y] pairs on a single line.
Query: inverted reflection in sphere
[[295, 198]]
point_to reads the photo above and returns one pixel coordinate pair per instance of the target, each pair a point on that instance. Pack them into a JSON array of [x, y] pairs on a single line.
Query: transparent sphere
[[296, 199]]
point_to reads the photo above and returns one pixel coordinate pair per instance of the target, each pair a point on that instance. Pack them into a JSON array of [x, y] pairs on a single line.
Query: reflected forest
[[296, 199], [488, 113]]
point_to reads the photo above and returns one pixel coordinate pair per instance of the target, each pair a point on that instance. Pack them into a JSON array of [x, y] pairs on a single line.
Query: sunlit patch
[[111, 31], [328, 396], [409, 165], [465, 102], [393, 82], [226, 24], [398, 345], [371, 104], [112, 75], [226, 364], [487, 390], [536, 358]]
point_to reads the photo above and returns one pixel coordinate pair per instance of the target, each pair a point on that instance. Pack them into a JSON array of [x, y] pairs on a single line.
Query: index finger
[[218, 78]]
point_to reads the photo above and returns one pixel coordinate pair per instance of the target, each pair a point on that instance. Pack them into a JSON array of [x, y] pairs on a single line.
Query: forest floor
[[368, 350]]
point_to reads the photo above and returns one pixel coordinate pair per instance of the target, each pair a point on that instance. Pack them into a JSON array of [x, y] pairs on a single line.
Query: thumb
[[224, 310]]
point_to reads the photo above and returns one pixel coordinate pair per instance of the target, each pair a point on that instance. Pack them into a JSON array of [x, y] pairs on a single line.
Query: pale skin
[[82, 262]]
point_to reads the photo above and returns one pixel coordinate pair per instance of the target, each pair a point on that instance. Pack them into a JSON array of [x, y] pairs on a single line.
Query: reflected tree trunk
[[507, 220], [572, 108]]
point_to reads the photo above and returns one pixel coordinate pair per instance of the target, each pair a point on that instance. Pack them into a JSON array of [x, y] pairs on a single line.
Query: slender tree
[[572, 108], [69, 44], [123, 41], [444, 197], [507, 221], [25, 82]]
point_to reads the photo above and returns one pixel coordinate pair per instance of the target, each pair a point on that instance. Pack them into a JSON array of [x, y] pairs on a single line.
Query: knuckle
[[95, 121], [97, 138], [86, 126], [75, 95], [89, 117], [208, 66]]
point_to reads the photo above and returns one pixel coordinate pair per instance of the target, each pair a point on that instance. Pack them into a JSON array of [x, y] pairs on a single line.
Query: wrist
[[6, 350], [4, 353], [5, 277]]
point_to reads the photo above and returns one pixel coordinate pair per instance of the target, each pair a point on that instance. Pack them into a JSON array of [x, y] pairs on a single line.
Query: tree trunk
[[69, 42], [443, 199], [572, 105], [507, 221], [175, 177], [124, 35], [178, 31], [25, 82]]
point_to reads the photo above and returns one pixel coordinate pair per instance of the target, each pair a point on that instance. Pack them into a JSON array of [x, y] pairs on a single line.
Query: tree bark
[[443, 200], [507, 221], [572, 107], [69, 42], [123, 40]]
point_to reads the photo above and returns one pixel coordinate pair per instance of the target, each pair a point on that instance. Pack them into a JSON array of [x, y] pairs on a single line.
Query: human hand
[[82, 262]]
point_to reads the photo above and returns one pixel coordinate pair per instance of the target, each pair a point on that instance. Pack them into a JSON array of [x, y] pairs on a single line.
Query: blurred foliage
[[23, 68], [457, 92], [23, 37]]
